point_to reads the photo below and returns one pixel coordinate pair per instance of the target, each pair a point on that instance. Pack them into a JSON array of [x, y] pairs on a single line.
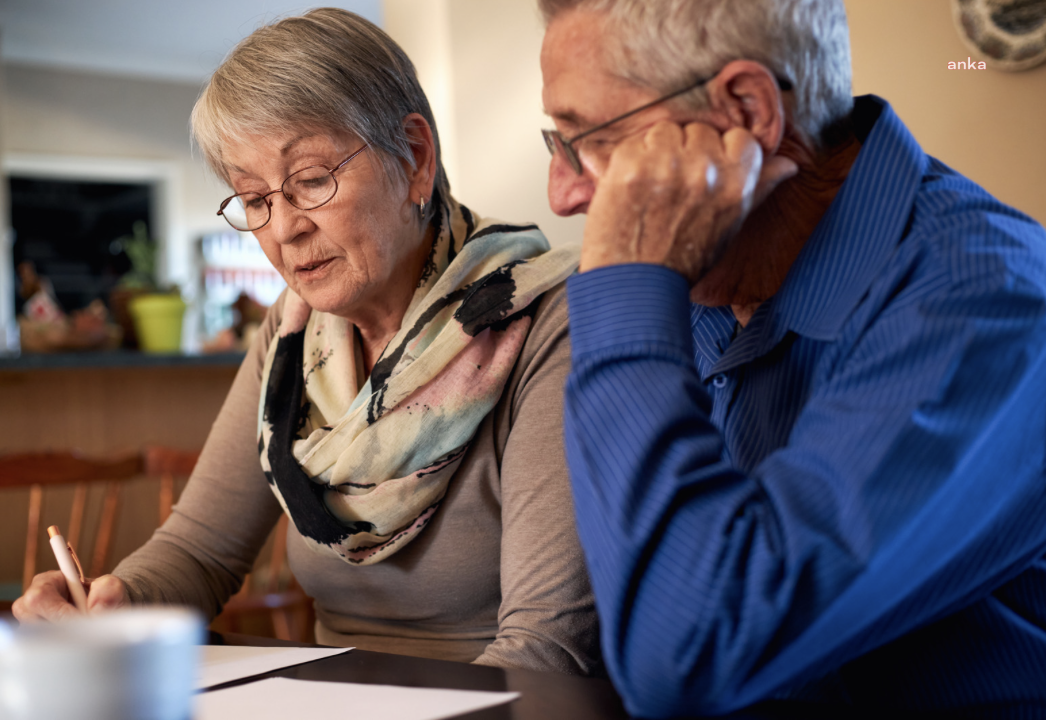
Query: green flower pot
[[158, 322]]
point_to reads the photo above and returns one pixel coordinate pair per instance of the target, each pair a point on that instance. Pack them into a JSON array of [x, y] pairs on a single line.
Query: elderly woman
[[402, 401]]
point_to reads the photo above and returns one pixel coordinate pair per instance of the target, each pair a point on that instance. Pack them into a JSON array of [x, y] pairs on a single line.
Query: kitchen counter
[[116, 359], [103, 403]]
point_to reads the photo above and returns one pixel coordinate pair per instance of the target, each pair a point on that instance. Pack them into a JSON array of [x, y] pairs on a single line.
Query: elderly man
[[805, 418]]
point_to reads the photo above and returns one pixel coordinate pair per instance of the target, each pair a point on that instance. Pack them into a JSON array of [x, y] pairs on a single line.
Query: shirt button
[[719, 381]]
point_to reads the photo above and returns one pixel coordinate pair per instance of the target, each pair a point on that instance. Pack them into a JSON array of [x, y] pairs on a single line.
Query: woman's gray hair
[[667, 44], [328, 71]]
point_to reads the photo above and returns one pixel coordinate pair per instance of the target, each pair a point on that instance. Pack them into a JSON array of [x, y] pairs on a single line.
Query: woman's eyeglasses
[[306, 189]]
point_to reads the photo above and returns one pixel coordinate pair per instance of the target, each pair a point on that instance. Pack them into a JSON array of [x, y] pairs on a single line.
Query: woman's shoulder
[[544, 359], [271, 323], [259, 345], [550, 316]]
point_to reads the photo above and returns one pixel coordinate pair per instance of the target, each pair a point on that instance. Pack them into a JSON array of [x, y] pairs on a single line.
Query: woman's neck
[[378, 321]]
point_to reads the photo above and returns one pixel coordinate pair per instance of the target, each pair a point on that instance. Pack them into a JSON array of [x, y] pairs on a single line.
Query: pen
[[70, 566]]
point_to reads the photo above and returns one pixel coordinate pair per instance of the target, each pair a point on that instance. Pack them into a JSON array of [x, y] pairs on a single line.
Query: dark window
[[69, 231]]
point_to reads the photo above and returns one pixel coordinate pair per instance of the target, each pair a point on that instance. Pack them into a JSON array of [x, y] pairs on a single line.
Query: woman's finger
[[46, 599], [107, 592]]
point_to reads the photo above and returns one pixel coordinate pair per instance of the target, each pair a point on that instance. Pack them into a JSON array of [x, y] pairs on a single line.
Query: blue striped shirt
[[843, 501]]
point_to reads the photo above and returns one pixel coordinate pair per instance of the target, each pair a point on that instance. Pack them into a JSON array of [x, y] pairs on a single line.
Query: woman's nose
[[568, 192], [286, 222]]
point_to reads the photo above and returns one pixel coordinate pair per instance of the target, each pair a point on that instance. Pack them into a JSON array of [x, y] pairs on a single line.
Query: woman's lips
[[312, 271]]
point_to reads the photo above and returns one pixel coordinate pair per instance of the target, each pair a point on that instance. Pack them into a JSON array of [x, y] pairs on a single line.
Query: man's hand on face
[[675, 195]]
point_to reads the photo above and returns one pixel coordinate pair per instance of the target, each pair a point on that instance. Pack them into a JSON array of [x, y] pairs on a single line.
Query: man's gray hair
[[667, 44], [327, 71]]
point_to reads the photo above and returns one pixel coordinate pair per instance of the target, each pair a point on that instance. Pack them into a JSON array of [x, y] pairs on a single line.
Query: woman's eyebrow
[[294, 141]]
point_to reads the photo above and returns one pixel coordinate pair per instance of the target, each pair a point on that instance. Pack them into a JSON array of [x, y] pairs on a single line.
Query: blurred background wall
[[988, 125], [478, 60]]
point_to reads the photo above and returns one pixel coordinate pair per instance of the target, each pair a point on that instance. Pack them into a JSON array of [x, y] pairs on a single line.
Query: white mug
[[132, 664]]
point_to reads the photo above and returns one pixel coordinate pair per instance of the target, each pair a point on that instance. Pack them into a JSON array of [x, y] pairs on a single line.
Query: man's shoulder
[[946, 194], [970, 233]]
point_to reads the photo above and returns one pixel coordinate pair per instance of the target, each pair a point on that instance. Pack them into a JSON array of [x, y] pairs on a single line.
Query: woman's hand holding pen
[[47, 598], [66, 592]]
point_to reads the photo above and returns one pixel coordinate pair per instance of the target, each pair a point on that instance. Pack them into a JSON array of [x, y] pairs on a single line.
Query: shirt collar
[[859, 231], [849, 246]]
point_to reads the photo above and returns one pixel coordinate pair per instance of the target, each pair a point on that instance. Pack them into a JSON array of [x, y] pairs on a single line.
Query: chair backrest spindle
[[39, 470], [76, 514], [36, 501], [289, 608]]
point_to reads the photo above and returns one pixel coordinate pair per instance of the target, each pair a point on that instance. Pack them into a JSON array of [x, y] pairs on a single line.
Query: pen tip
[[52, 531]]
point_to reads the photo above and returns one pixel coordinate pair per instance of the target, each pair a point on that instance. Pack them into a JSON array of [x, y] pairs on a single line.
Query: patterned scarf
[[361, 470]]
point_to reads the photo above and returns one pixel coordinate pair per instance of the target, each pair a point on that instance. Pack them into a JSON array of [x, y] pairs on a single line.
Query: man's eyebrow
[[569, 117]]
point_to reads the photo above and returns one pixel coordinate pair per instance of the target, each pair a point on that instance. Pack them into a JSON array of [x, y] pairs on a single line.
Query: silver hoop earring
[[421, 205]]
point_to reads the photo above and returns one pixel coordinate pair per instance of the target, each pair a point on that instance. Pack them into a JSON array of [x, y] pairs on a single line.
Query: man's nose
[[568, 192]]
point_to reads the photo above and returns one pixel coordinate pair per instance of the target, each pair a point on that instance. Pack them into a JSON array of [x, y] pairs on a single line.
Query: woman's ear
[[748, 94], [422, 176]]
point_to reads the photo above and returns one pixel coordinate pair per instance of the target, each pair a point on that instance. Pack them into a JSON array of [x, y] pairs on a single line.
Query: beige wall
[[478, 60], [489, 107], [988, 125], [481, 69]]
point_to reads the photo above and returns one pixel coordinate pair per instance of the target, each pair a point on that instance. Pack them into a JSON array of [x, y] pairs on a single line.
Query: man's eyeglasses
[[306, 189], [554, 140]]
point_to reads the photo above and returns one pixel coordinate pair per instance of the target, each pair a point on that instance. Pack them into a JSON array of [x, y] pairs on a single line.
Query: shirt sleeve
[[200, 556], [546, 619], [910, 487]]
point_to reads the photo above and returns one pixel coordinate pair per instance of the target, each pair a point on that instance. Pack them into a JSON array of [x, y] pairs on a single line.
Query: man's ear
[[423, 146], [748, 94]]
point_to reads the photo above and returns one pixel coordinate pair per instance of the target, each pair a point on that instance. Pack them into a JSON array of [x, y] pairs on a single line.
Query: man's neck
[[755, 264]]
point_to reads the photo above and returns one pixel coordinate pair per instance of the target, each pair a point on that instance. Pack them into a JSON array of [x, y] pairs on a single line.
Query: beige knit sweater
[[496, 578]]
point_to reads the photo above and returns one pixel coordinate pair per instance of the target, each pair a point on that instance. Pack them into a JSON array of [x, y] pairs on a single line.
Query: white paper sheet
[[285, 699], [225, 663]]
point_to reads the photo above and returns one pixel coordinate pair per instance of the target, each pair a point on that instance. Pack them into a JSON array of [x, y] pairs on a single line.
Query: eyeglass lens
[[555, 141], [306, 189]]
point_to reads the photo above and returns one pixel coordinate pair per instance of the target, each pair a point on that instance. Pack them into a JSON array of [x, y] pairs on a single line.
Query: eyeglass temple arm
[[783, 83], [639, 109]]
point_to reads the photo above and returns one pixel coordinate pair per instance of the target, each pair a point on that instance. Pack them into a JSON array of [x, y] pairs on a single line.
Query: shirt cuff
[[628, 304]]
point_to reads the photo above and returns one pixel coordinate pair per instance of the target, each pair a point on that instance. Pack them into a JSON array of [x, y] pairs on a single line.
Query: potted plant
[[155, 313]]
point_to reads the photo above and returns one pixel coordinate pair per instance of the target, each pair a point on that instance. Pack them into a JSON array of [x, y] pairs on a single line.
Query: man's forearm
[[639, 445]]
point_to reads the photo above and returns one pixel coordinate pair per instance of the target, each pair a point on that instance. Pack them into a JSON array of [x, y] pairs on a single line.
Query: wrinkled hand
[[47, 598], [675, 195]]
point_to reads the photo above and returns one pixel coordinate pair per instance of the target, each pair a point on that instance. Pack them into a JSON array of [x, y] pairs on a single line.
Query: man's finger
[[772, 171], [775, 171], [666, 135], [702, 137]]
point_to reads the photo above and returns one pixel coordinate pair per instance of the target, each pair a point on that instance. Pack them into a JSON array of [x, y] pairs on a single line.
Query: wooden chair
[[45, 469], [167, 464], [276, 594], [287, 606]]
